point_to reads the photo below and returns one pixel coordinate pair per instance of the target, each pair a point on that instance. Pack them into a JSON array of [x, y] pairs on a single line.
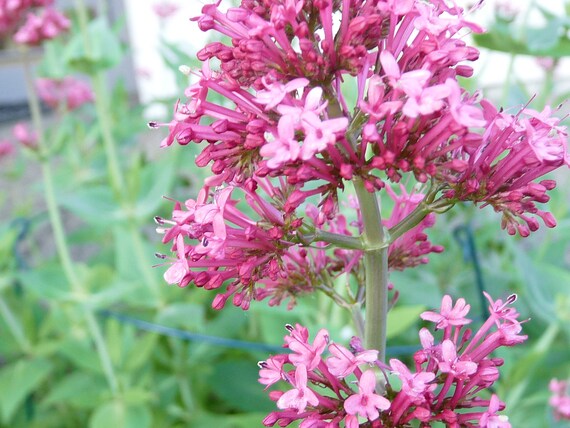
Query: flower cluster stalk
[[71, 274], [116, 176], [376, 268]]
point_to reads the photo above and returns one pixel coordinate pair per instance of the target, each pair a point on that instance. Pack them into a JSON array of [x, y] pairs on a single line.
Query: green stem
[[376, 268], [102, 107], [410, 221], [59, 234], [15, 327], [117, 179], [341, 241]]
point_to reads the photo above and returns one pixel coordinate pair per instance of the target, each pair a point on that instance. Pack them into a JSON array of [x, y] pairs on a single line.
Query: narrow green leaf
[[17, 381]]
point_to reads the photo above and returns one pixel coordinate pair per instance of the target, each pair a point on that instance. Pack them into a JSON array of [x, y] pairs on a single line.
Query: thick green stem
[[376, 268], [59, 234]]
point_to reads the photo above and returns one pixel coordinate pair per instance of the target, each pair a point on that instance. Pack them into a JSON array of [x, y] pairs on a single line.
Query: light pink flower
[[301, 396], [413, 385], [343, 362], [449, 362], [305, 353], [366, 402], [448, 314]]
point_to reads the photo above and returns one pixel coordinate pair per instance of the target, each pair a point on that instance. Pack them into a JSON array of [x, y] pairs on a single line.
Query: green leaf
[[104, 50], [81, 354], [46, 282], [401, 318], [187, 315], [546, 38], [51, 65], [501, 39], [72, 390], [17, 381], [249, 420], [119, 415], [141, 352], [95, 205], [235, 382], [157, 180]]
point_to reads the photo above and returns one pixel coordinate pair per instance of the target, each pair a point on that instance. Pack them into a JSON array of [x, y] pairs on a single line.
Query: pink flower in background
[[165, 9], [6, 149], [560, 399], [12, 12], [47, 25], [69, 92], [25, 136]]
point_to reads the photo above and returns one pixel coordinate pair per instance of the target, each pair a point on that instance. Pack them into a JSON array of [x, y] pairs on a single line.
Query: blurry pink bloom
[[165, 9], [25, 136], [560, 399], [6, 149], [366, 403], [69, 92], [45, 26], [301, 396]]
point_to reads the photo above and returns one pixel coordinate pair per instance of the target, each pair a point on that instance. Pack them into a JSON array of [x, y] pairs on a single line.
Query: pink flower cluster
[[285, 114], [46, 25], [12, 12], [263, 255], [560, 399], [68, 92], [445, 386]]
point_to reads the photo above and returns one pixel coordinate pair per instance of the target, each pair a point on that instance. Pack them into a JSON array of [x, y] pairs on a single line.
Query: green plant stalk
[[102, 107], [117, 179], [59, 234], [410, 221], [341, 241], [15, 327], [376, 268]]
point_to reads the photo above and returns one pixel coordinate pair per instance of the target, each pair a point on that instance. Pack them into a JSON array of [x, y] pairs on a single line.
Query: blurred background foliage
[[171, 360]]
